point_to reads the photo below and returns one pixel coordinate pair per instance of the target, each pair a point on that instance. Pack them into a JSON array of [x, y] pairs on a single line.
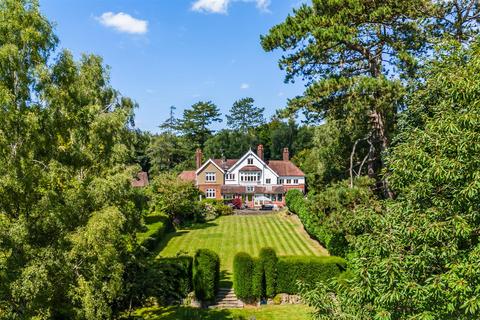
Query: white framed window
[[250, 189], [289, 181], [249, 176], [268, 181], [280, 181], [210, 176], [230, 176], [250, 160], [228, 196], [295, 181], [210, 193]]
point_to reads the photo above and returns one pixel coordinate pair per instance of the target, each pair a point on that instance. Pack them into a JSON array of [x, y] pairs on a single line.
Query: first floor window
[[280, 181], [210, 193], [289, 181], [230, 176], [295, 181], [210, 177], [268, 181]]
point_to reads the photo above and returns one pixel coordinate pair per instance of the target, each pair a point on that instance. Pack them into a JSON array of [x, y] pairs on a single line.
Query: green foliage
[[156, 225], [68, 213], [178, 199], [196, 121], [268, 259], [215, 208], [419, 258], [244, 115], [307, 270], [178, 276], [206, 274], [329, 215], [243, 268], [167, 151]]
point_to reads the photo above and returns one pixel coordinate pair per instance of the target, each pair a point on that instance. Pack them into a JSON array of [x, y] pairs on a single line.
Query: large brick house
[[251, 178]]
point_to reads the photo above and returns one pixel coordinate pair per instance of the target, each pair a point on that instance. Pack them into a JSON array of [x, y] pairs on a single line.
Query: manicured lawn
[[228, 235], [283, 312]]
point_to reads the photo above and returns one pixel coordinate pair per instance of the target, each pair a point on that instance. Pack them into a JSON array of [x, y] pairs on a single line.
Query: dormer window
[[250, 160]]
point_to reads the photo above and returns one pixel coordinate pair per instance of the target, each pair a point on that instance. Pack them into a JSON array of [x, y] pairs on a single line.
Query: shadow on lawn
[[186, 313], [169, 236]]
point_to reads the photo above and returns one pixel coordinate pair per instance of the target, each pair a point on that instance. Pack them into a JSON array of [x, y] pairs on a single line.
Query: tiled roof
[[141, 180], [250, 168], [272, 189], [285, 168], [225, 164], [187, 175]]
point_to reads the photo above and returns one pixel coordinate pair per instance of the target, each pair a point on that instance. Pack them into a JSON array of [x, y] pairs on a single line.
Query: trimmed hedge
[[156, 225], [268, 260], [309, 270], [243, 265], [206, 274], [258, 279], [178, 274]]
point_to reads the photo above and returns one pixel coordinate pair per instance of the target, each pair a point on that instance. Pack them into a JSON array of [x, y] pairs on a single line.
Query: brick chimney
[[260, 151], [198, 158], [286, 154]]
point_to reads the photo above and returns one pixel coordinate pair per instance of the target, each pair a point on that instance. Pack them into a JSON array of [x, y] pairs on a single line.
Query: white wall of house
[[292, 179], [266, 172]]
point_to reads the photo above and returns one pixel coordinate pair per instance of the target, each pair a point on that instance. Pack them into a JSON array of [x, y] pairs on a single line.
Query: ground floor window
[[210, 194], [228, 196], [279, 197]]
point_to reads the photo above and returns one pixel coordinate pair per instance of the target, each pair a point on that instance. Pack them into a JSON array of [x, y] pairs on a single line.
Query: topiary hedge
[[268, 261], [309, 270], [206, 274], [243, 265], [178, 274], [156, 226]]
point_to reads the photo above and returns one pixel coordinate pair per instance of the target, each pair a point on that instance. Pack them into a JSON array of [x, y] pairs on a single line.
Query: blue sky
[[178, 52]]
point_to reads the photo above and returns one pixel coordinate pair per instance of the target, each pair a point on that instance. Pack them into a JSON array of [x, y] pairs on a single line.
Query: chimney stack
[[286, 154], [260, 151], [198, 158]]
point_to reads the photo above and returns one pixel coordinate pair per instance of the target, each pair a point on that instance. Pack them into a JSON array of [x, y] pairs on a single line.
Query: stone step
[[226, 299]]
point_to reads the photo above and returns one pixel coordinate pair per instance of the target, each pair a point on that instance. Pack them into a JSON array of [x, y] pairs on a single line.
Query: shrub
[[243, 265], [308, 270], [156, 225], [206, 274], [268, 261], [258, 279], [178, 274], [214, 208]]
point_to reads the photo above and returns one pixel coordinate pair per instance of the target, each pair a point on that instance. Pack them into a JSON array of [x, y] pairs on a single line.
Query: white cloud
[[244, 86], [123, 22], [221, 6]]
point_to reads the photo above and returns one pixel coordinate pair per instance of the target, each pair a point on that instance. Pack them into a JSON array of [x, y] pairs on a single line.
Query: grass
[[228, 235], [283, 312]]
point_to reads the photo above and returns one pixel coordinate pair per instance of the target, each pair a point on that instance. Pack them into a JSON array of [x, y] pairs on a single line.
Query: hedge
[[206, 274], [309, 270], [268, 260], [243, 265], [178, 274], [157, 225]]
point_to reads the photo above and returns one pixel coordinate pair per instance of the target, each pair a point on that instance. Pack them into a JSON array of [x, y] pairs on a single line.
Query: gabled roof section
[[206, 163], [285, 168], [225, 164], [251, 153]]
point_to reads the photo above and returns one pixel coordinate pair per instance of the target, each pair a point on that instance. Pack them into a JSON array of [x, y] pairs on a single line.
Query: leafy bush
[[243, 267], [156, 225], [177, 274], [206, 274], [214, 208], [308, 270], [268, 260], [327, 215]]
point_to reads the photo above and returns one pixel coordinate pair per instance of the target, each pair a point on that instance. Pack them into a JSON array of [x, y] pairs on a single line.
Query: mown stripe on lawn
[[300, 245]]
